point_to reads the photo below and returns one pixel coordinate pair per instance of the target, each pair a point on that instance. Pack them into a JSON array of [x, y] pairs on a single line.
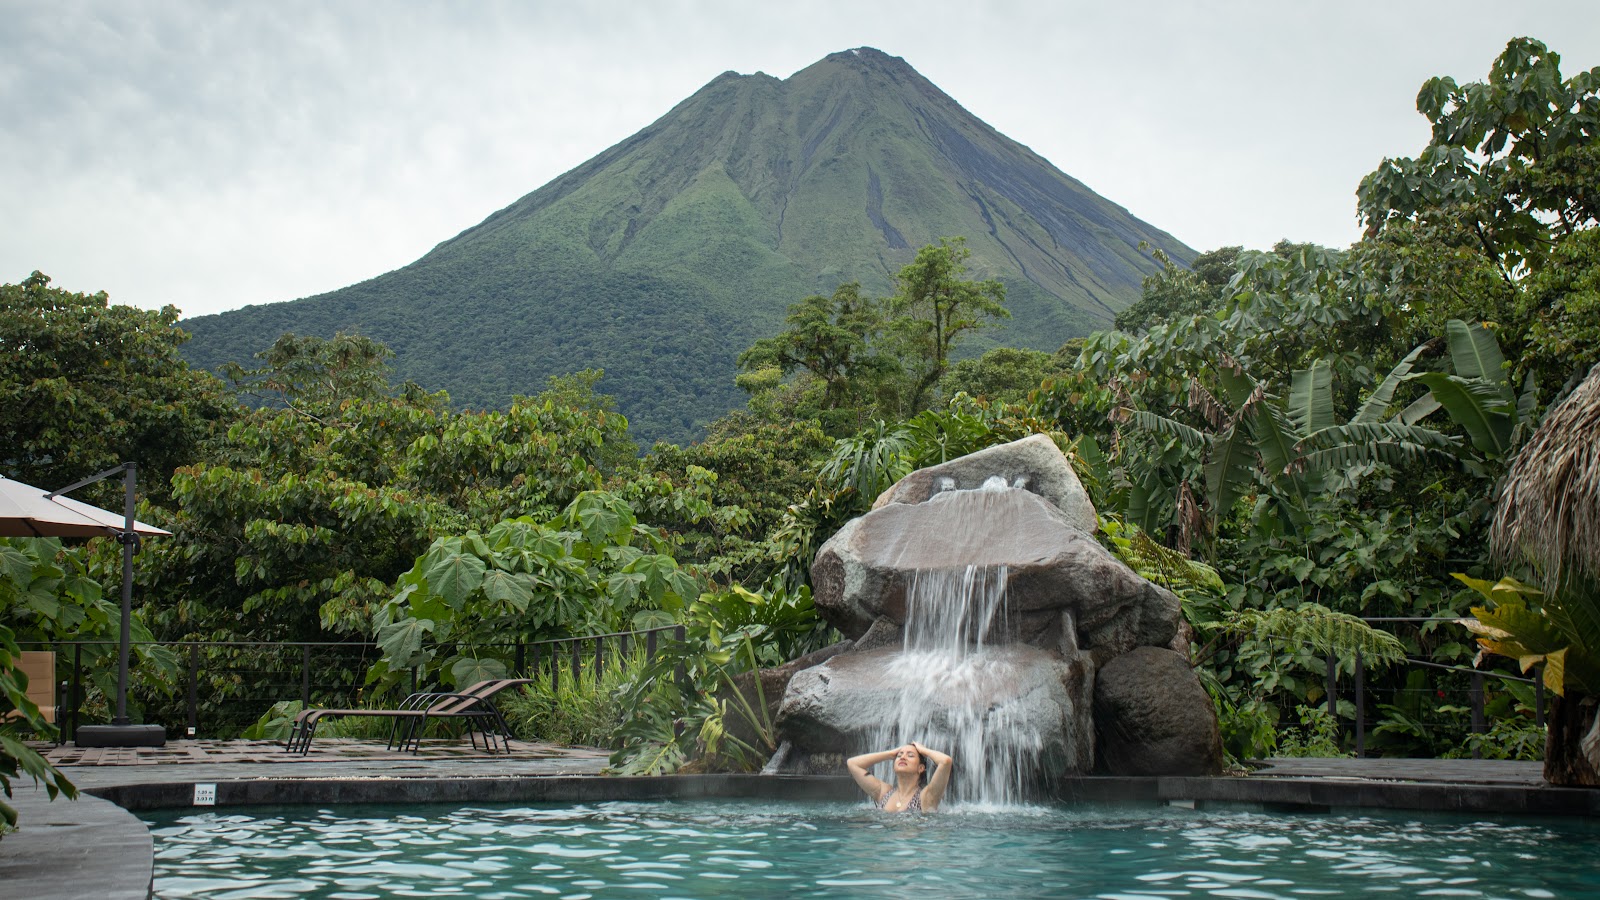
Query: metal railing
[[224, 686], [1477, 690]]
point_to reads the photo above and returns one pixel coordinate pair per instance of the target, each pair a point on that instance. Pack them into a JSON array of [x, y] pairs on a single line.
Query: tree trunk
[[1572, 725]]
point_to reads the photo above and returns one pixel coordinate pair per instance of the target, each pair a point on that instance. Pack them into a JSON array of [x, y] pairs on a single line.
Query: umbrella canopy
[[27, 511], [1549, 511]]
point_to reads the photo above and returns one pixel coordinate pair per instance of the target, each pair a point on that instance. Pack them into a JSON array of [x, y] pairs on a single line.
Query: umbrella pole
[[121, 732], [129, 476]]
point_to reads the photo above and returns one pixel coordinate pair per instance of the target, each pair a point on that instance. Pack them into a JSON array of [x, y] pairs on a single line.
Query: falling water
[[947, 672]]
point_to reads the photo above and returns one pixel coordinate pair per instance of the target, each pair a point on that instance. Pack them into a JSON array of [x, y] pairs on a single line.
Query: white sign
[[205, 795]]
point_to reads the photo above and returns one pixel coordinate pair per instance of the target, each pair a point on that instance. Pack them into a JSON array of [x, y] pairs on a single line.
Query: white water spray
[[948, 672]]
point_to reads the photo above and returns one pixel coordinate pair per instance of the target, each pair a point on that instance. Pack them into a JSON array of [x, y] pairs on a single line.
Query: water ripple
[[739, 849]]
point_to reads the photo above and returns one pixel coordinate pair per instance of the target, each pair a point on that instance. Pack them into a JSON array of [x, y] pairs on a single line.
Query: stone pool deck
[[96, 847]]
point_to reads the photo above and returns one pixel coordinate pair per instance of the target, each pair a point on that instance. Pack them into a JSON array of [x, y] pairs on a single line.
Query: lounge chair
[[475, 706]]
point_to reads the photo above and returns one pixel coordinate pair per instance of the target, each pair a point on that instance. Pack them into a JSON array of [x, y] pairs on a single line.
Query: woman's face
[[908, 760]]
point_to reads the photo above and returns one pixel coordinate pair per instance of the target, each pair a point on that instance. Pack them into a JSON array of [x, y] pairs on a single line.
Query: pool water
[[761, 849]]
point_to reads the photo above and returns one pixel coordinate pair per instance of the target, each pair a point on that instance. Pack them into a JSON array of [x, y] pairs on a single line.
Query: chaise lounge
[[475, 706]]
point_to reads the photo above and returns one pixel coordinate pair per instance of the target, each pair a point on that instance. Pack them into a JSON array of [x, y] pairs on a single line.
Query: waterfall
[[946, 673]]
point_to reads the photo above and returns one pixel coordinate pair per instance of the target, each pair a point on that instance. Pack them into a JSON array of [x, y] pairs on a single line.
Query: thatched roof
[[1549, 511]]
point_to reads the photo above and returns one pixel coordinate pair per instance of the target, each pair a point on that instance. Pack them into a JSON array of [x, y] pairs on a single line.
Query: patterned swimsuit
[[914, 806]]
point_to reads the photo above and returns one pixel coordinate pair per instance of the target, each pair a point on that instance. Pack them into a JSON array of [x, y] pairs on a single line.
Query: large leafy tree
[[1504, 190], [934, 306], [85, 385]]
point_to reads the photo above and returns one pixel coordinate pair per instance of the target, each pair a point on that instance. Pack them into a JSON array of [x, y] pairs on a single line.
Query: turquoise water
[[759, 849]]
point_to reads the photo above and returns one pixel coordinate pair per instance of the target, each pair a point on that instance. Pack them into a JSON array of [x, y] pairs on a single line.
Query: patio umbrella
[[27, 511], [30, 512]]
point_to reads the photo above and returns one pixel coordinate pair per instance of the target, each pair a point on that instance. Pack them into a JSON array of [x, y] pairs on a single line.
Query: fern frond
[[1318, 627]]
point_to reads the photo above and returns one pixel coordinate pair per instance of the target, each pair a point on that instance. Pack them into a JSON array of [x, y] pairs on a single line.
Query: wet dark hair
[[927, 766]]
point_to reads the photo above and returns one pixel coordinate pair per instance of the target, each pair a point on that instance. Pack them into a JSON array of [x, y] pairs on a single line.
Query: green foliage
[[934, 305], [26, 590], [1501, 159], [1002, 375], [276, 723], [50, 593], [584, 711], [1317, 628], [1317, 736], [1561, 632], [682, 702], [1178, 293], [85, 385], [461, 609]]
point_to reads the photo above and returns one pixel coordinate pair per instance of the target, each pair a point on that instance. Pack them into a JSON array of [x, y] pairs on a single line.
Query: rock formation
[[982, 609]]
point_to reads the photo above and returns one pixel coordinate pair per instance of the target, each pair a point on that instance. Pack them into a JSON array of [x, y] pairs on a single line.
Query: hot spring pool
[[762, 849]]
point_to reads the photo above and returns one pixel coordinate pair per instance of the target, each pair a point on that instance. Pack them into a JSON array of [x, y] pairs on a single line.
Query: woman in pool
[[913, 790]]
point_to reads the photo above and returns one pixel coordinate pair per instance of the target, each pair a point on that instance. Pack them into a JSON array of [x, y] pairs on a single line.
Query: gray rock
[[1152, 717], [1034, 463], [1052, 567], [856, 701]]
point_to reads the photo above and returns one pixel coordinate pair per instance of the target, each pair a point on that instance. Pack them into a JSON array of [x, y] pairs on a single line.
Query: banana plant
[[1290, 450], [1479, 396]]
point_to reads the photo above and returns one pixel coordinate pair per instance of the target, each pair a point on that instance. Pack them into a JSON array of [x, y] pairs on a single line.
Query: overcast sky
[[214, 156]]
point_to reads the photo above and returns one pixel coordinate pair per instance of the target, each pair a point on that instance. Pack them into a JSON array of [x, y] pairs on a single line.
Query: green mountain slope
[[664, 256]]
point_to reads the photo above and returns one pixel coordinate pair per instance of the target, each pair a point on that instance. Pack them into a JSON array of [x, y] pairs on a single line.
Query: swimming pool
[[732, 848]]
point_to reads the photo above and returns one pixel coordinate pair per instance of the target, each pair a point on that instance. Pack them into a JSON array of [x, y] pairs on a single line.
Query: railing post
[[650, 644], [77, 687], [599, 657], [519, 669], [305, 676], [1361, 707], [555, 667], [1538, 696], [415, 675], [1333, 675], [534, 668], [622, 647], [577, 662], [194, 690], [1477, 711]]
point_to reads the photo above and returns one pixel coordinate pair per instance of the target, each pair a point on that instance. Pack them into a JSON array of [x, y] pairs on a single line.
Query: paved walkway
[[1484, 772], [96, 767]]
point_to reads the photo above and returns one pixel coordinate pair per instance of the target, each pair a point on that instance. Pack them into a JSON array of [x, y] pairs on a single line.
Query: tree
[[1511, 159], [1004, 374], [833, 338], [85, 385], [1489, 221], [934, 306], [1175, 292]]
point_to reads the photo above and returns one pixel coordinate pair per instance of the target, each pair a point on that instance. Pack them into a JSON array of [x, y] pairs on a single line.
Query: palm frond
[[1373, 408], [1311, 398], [1145, 420]]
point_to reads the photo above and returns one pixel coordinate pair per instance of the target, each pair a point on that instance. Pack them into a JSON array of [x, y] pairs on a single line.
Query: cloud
[[215, 155]]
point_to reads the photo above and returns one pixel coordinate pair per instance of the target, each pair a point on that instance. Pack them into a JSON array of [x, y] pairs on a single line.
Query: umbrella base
[[120, 736]]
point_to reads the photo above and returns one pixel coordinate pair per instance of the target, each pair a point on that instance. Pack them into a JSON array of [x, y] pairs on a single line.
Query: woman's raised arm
[[859, 767]]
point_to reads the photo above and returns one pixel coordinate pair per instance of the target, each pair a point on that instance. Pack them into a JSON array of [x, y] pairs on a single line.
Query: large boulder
[[1034, 464], [861, 701], [1152, 716], [1063, 590]]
